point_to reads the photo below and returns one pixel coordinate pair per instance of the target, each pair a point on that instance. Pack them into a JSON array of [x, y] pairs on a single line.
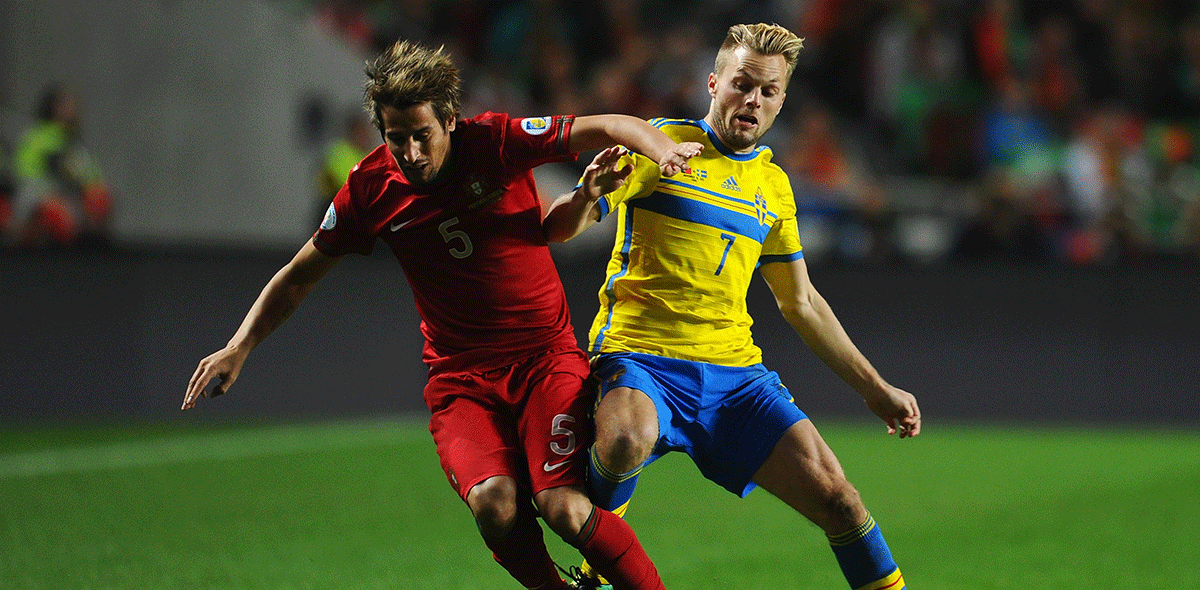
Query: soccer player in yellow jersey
[[672, 347]]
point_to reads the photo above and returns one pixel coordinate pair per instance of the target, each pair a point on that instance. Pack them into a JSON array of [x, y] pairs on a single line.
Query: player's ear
[[712, 84], [450, 123]]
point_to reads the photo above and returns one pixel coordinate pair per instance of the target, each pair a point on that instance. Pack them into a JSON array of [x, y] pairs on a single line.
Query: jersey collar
[[725, 151]]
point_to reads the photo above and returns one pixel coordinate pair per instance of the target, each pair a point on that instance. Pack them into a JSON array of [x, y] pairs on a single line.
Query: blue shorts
[[727, 419]]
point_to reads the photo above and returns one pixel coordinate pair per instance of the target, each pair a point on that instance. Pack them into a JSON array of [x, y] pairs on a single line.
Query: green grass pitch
[[363, 505]]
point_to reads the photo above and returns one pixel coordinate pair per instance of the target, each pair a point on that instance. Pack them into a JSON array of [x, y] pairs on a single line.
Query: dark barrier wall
[[116, 335]]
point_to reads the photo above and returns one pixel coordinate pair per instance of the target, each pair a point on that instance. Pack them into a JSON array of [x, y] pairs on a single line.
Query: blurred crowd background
[[1003, 195], [920, 130]]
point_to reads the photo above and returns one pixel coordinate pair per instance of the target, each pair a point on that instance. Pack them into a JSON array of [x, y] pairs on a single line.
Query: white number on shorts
[[557, 429]]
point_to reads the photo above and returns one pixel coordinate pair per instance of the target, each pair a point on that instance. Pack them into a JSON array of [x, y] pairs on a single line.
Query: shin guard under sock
[[612, 549]]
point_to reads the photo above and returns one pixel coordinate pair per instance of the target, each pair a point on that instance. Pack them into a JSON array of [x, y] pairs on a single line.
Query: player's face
[[746, 96], [419, 142]]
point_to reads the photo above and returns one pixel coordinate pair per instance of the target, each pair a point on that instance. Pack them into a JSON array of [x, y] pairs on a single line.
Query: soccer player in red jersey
[[455, 201]]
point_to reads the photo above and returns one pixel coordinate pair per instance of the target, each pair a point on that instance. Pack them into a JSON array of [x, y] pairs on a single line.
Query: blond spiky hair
[[762, 38], [408, 74]]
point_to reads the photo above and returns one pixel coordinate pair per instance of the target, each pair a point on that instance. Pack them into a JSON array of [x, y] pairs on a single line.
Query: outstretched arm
[[594, 132], [572, 213], [278, 299], [810, 315]]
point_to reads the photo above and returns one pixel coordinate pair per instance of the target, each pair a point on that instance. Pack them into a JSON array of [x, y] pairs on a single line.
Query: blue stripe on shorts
[[727, 419]]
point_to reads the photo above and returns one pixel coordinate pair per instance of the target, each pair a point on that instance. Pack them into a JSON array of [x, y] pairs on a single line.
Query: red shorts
[[528, 421]]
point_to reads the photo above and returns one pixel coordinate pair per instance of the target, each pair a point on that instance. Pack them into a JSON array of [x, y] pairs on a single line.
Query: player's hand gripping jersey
[[471, 243], [686, 249]]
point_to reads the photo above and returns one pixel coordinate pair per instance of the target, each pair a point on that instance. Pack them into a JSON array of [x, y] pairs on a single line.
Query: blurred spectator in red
[[1055, 78], [350, 20], [842, 206], [1109, 176], [61, 195], [820, 156], [998, 39]]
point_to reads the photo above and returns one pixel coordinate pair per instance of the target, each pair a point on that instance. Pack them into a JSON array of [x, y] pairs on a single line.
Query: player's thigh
[[804, 472], [554, 426], [638, 393], [475, 440]]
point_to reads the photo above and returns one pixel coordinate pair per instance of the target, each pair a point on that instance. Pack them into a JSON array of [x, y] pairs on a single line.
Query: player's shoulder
[[679, 129], [767, 167], [770, 174], [372, 174], [487, 124], [377, 164]]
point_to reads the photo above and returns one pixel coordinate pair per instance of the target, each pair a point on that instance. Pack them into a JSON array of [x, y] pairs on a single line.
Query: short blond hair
[[762, 38], [408, 74]]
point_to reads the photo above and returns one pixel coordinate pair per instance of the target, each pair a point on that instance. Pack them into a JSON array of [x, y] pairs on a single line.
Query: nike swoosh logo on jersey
[[548, 467], [397, 226]]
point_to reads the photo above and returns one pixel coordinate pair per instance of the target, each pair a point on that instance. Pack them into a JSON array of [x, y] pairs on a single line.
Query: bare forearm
[[574, 212], [810, 315], [569, 216], [282, 296], [595, 132], [274, 305], [820, 329]]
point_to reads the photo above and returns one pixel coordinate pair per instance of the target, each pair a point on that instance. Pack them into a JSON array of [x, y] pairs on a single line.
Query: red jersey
[[471, 244]]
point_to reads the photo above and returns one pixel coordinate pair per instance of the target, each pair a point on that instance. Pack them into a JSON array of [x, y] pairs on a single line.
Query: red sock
[[611, 548], [523, 553]]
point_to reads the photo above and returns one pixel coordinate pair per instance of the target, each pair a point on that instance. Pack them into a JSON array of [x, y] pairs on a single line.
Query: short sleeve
[[341, 231], [533, 141]]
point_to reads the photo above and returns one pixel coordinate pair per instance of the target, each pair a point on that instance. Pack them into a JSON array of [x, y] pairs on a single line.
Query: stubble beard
[[737, 141]]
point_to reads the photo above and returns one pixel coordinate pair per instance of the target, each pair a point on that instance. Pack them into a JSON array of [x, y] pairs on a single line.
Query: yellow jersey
[[686, 249]]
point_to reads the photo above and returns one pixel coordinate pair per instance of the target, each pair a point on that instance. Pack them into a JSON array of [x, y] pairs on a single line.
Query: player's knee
[[626, 429], [624, 446], [494, 504], [564, 509], [842, 507]]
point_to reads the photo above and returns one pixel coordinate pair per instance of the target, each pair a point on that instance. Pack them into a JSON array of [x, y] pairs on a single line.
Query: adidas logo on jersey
[[731, 185]]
